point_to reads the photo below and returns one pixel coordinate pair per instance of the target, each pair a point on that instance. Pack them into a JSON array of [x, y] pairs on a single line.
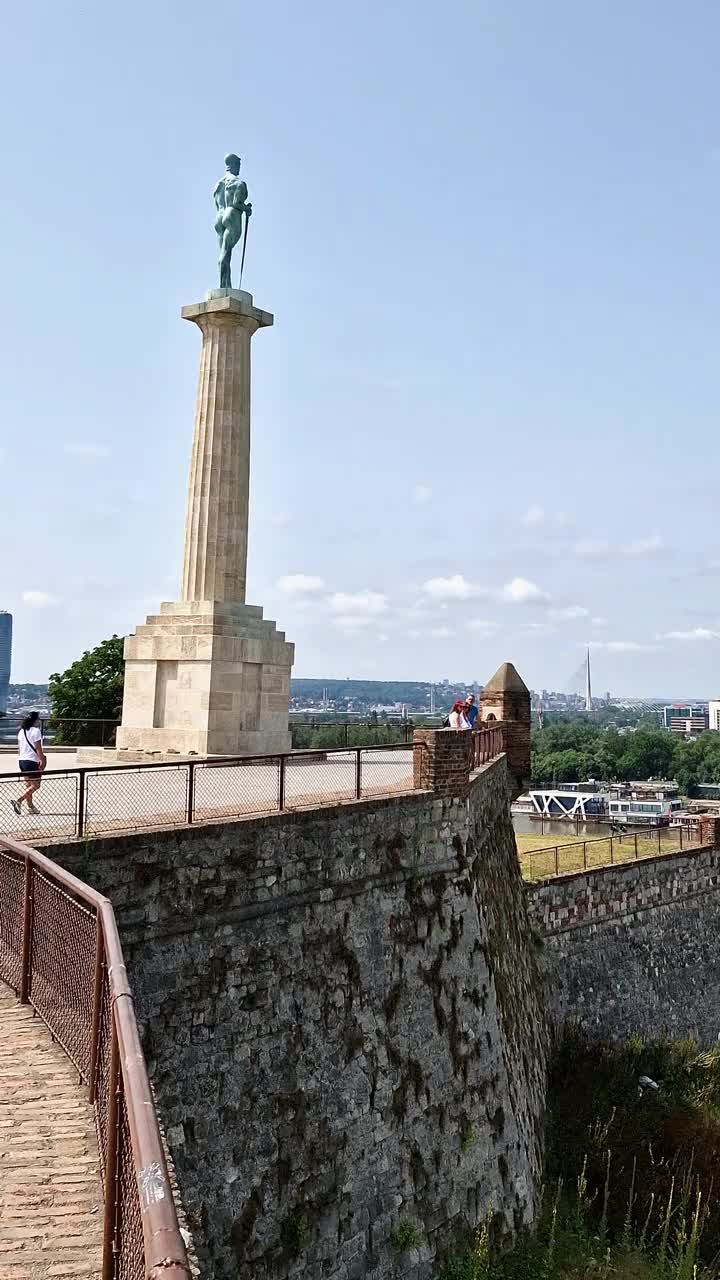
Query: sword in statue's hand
[[248, 211]]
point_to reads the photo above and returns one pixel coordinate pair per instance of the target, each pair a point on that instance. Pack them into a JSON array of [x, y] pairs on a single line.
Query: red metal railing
[[487, 743], [60, 950]]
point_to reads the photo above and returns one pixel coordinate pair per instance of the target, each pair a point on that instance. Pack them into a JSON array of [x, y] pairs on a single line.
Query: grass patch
[[406, 1235], [631, 1171], [537, 852]]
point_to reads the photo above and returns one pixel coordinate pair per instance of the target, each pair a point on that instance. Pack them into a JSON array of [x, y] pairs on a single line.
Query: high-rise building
[[714, 713], [5, 657]]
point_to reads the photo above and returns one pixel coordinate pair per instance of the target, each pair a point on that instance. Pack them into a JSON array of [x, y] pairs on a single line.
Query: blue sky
[[485, 422]]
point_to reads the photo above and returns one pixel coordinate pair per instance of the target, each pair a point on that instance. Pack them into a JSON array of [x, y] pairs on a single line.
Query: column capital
[[229, 304]]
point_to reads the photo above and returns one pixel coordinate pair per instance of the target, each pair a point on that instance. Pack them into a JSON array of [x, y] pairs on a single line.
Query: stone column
[[216, 524], [207, 674]]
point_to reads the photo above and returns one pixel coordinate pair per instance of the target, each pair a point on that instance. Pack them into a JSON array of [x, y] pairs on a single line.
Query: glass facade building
[[5, 657]]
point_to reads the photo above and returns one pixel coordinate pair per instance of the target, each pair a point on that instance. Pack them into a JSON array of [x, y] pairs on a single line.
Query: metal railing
[[488, 741], [599, 851], [361, 732], [129, 797], [88, 731], [60, 951]]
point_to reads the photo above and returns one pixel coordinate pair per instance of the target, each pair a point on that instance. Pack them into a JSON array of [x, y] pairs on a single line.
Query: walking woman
[[32, 761]]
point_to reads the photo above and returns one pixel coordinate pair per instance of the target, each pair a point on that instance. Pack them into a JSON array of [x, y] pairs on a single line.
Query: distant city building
[[686, 719], [5, 657], [714, 714]]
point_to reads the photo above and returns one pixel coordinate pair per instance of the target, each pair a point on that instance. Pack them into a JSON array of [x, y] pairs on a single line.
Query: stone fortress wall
[[634, 948], [343, 1020]]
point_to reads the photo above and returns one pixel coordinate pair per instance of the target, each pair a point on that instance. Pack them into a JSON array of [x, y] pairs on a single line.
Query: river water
[[525, 825]]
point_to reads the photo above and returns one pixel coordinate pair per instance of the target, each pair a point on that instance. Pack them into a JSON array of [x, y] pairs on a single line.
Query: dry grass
[[575, 853]]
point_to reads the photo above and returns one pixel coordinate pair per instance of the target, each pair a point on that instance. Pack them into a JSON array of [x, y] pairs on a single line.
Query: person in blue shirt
[[470, 709]]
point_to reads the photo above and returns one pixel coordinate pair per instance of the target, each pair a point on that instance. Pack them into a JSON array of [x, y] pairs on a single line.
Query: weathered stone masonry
[[342, 1017], [634, 948]]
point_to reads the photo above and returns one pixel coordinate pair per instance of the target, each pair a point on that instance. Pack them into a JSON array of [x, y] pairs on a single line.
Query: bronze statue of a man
[[231, 202]]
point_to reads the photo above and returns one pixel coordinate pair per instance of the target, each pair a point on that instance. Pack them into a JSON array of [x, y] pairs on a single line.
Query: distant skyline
[[485, 424]]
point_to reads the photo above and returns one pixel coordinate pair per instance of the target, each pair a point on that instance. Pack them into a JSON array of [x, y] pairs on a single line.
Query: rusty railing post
[[681, 834], [585, 854], [96, 1006], [358, 775], [111, 1157], [26, 960], [612, 858], [557, 860]]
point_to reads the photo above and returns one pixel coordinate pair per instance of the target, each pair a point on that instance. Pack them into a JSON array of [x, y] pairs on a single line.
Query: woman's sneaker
[[32, 808], [16, 806]]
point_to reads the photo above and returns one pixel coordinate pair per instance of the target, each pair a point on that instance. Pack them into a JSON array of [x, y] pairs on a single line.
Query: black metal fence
[[309, 733], [116, 798], [90, 732]]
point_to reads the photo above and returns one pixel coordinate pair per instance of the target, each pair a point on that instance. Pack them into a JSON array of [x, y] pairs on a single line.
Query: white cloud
[[697, 633], [592, 547], [453, 588], [39, 599], [358, 604], [351, 622], [79, 450], [535, 514], [521, 591], [482, 626], [625, 646], [421, 494], [440, 633], [538, 628], [599, 622], [651, 546], [569, 613], [300, 584]]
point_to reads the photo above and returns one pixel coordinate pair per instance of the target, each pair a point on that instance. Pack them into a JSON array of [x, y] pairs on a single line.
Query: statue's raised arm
[[231, 202]]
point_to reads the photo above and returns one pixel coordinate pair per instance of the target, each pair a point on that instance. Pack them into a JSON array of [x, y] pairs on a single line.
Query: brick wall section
[[442, 761], [514, 710], [633, 948], [342, 1017]]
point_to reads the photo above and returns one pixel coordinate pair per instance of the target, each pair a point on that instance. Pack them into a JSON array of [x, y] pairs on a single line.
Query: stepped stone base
[[206, 678]]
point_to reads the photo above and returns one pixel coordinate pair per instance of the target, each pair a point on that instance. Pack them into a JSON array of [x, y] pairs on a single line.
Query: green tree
[[91, 690]]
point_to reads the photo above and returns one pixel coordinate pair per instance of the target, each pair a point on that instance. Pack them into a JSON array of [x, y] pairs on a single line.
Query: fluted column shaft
[[216, 523]]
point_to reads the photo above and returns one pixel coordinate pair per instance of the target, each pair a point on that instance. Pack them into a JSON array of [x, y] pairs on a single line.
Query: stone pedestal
[[208, 674]]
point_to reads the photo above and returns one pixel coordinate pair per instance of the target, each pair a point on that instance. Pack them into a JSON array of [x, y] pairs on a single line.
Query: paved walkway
[[51, 1215]]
